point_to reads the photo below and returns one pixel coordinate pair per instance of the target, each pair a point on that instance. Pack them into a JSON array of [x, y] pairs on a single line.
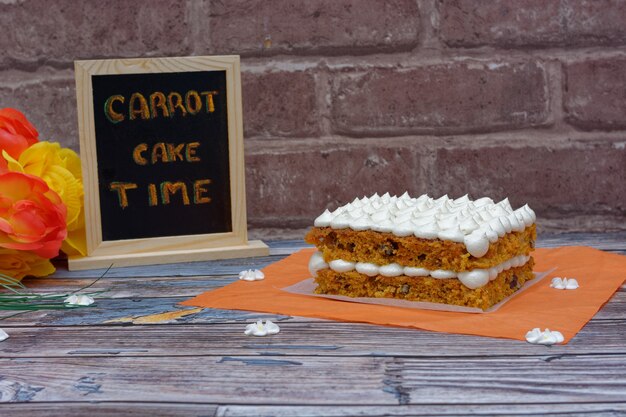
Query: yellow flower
[[21, 263], [60, 169]]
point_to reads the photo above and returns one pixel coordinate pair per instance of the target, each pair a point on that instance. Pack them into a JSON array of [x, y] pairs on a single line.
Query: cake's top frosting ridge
[[474, 223]]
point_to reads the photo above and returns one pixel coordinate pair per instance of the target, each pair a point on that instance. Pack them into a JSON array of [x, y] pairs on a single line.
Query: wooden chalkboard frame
[[167, 249]]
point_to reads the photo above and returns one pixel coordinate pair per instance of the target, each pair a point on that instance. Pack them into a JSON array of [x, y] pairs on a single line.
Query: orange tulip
[[16, 134], [32, 216]]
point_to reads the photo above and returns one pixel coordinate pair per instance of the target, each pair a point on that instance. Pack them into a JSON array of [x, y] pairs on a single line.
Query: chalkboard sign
[[162, 153]]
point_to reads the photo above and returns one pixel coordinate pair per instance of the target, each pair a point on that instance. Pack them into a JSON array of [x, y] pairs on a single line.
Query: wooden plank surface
[[138, 353], [297, 338], [139, 409], [317, 380]]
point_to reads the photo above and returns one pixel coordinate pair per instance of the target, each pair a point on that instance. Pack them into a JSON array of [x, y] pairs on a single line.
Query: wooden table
[[138, 353]]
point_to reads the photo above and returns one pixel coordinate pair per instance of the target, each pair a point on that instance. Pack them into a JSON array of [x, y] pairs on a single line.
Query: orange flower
[[21, 263], [32, 216], [60, 169], [16, 134]]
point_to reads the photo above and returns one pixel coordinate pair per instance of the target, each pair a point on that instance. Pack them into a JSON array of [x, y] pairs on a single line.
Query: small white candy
[[3, 335], [272, 328], [262, 329], [546, 337], [251, 275], [564, 283], [247, 275], [79, 300], [571, 283]]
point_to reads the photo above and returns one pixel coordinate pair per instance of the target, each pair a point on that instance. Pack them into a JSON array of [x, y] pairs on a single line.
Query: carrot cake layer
[[434, 290], [385, 248]]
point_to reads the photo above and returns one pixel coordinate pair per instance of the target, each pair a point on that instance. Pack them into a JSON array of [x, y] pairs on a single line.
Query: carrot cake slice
[[463, 252]]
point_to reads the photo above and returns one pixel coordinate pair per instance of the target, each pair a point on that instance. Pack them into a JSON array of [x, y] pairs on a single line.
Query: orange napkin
[[599, 274]]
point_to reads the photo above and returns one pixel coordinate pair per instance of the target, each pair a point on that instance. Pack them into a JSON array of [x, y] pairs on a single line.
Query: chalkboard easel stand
[[127, 107]]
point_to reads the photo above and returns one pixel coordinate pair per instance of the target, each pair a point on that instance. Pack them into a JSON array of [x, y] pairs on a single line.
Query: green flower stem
[[18, 299]]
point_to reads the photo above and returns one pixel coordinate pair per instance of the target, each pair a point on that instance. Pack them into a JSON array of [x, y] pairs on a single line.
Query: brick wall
[[518, 98]]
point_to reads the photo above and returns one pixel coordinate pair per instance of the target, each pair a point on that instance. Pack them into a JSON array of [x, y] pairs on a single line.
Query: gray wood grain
[[113, 409], [321, 338], [137, 409], [122, 311], [551, 410], [317, 380], [116, 287]]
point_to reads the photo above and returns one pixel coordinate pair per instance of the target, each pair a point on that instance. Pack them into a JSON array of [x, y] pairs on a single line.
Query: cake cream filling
[[473, 223], [473, 279]]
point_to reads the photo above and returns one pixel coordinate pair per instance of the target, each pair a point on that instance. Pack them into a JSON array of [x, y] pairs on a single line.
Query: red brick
[[284, 26], [70, 29], [289, 184], [50, 104], [280, 103], [542, 23], [556, 181], [595, 94], [456, 97]]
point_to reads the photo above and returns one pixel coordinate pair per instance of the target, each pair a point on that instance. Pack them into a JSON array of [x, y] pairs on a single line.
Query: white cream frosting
[[476, 223], [368, 269], [547, 337], [564, 283], [317, 263], [339, 265], [411, 271], [472, 279], [391, 270]]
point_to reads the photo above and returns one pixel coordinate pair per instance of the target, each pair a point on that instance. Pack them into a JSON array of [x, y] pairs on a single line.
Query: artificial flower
[[32, 216], [60, 169], [16, 134], [22, 263]]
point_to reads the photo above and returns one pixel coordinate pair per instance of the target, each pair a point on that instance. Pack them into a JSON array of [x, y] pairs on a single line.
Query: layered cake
[[462, 252]]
